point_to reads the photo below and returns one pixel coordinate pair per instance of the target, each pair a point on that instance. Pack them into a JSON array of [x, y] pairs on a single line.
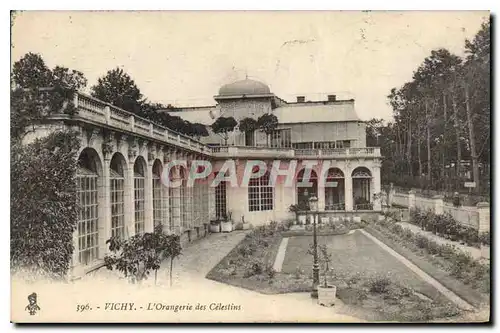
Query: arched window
[[116, 183], [304, 193], [139, 198], [335, 194], [361, 180], [185, 200], [220, 200], [159, 215], [88, 197], [173, 201], [260, 194]]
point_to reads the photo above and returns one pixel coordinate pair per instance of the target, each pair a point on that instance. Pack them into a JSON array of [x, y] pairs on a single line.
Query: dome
[[244, 87]]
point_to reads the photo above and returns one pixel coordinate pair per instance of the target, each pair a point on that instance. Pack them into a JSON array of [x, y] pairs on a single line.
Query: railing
[[465, 216], [335, 206], [93, 109], [290, 152]]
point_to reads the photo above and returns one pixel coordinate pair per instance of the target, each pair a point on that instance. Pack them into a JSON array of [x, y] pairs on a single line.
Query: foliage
[[325, 259], [248, 125], [440, 118], [459, 263], [119, 89], [140, 254], [379, 284], [444, 225], [485, 238], [31, 72], [38, 92], [223, 126], [43, 210], [267, 123]]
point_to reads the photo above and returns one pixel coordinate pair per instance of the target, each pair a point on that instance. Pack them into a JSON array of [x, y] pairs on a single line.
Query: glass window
[[260, 194], [88, 235]]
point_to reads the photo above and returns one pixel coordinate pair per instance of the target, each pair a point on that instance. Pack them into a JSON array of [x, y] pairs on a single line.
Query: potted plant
[[215, 226], [227, 223], [326, 292]]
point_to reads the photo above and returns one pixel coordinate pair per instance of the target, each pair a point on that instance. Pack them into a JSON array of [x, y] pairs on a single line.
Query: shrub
[[433, 247], [421, 241], [484, 238], [446, 251], [379, 284], [408, 234], [270, 272], [398, 229], [43, 210]]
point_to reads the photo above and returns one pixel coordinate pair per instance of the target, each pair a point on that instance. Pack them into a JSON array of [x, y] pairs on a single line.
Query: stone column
[[484, 222], [104, 210], [349, 205], [148, 198], [377, 204], [211, 198], [411, 199], [176, 203], [128, 198], [438, 204]]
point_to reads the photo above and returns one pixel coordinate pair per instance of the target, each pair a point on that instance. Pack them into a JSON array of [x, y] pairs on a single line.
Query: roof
[[244, 87], [316, 112]]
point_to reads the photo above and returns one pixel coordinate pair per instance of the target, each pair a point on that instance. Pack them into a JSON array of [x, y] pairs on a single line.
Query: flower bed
[[456, 263], [444, 225], [367, 296]]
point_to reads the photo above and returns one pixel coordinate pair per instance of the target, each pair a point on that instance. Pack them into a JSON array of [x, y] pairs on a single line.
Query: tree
[[223, 126], [69, 78], [31, 72], [267, 123], [119, 89], [248, 126], [38, 92], [142, 253], [441, 117]]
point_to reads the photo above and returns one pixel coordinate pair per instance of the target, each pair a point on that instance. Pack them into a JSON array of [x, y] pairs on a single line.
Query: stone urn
[[326, 295]]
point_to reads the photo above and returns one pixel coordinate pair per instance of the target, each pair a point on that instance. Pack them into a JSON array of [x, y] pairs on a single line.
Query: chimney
[[301, 99], [332, 98]]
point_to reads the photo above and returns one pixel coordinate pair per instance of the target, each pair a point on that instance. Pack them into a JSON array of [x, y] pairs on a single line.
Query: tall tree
[[119, 89], [31, 72]]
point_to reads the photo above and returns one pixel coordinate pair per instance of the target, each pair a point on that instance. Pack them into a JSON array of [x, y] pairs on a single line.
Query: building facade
[[121, 174]]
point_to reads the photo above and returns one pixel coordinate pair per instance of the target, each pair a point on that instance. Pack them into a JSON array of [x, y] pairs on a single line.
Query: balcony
[[268, 152], [96, 111]]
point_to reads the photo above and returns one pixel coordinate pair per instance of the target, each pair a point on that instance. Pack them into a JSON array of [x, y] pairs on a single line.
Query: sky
[[183, 58]]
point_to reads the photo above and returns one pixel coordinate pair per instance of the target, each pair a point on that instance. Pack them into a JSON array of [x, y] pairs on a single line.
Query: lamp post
[[313, 206]]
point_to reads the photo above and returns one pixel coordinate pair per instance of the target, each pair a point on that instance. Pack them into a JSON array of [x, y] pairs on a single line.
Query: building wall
[[314, 132], [243, 108]]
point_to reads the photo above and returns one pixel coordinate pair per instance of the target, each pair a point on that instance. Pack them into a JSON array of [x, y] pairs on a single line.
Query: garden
[[467, 277], [370, 282]]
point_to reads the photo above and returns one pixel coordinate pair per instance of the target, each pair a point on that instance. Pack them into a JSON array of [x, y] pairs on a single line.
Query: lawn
[[370, 282], [356, 253]]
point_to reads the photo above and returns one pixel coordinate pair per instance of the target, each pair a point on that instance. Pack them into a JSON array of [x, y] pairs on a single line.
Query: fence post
[[438, 204], [483, 211], [411, 199], [390, 196]]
